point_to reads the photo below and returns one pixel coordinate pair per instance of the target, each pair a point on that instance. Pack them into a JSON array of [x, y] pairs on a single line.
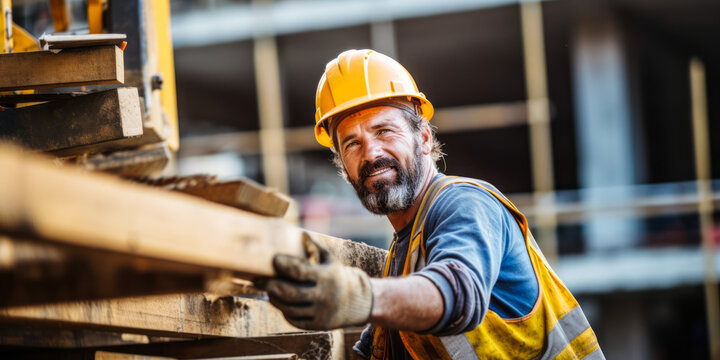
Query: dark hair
[[415, 121]]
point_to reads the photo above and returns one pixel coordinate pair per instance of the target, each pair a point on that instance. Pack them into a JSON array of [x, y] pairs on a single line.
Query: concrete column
[[606, 140]]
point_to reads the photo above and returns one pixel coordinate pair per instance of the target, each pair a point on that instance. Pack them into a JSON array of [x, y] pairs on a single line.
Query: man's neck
[[400, 219]]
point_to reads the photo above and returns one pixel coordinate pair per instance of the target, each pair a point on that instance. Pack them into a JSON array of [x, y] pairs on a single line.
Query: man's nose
[[372, 150]]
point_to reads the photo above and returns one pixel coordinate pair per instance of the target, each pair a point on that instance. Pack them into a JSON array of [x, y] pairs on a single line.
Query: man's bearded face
[[389, 196]]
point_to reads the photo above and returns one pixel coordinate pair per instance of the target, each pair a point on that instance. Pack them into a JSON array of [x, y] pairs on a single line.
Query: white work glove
[[317, 293]]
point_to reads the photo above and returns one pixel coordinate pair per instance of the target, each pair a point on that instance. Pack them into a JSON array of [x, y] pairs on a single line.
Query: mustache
[[369, 167]]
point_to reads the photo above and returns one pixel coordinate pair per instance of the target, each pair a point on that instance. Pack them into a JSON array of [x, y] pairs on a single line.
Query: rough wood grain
[[106, 355], [193, 315], [246, 195], [307, 345], [58, 336], [70, 67], [149, 136], [368, 258], [146, 161], [83, 120], [11, 99], [98, 211], [36, 272], [241, 193]]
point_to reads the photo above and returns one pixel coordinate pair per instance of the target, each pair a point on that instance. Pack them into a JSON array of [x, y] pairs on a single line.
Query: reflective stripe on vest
[[556, 328]]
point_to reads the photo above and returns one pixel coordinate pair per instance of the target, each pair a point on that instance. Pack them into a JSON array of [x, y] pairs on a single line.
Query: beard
[[390, 196]]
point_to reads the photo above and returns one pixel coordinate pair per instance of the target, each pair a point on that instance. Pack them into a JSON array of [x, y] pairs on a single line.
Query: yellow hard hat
[[358, 77]]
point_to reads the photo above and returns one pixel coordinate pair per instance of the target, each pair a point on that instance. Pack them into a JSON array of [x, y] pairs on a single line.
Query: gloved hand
[[317, 293]]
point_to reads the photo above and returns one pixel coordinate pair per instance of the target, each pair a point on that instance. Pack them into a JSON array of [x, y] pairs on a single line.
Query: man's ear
[[426, 137]]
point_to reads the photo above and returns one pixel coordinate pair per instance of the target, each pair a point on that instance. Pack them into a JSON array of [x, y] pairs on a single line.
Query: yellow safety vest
[[556, 328]]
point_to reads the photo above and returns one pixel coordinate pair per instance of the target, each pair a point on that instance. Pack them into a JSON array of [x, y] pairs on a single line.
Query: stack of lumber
[[79, 110], [100, 267]]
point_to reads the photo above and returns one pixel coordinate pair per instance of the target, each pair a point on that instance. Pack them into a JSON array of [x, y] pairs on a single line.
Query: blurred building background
[[611, 188], [622, 145]]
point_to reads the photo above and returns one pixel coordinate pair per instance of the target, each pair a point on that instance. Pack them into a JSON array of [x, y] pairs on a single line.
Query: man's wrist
[[360, 306]]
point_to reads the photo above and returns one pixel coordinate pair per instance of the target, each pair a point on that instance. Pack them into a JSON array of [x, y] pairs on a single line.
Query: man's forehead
[[387, 114]]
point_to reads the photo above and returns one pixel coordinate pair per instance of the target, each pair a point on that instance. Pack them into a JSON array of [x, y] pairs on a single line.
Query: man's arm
[[328, 295], [409, 303]]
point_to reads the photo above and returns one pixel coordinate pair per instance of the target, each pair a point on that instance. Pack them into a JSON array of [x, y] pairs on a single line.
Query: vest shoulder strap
[[435, 188]]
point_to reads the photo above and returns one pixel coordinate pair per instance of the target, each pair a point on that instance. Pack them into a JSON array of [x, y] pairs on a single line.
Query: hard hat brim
[[325, 139]]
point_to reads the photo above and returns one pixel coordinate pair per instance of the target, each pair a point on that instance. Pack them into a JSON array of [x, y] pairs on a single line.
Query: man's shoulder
[[468, 182], [465, 194], [460, 187]]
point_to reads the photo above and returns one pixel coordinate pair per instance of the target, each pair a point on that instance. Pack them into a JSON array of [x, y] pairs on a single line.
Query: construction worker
[[464, 278]]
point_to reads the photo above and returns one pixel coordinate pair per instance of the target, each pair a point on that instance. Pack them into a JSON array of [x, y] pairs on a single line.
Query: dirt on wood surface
[[368, 258]]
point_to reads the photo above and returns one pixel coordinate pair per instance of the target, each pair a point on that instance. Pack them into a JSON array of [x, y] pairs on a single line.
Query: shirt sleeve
[[363, 347], [465, 239]]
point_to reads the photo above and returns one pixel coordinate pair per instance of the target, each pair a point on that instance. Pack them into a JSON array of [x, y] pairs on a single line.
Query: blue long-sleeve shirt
[[477, 258]]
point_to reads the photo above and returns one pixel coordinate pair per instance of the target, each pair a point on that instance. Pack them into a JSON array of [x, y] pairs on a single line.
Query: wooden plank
[[368, 258], [242, 193], [149, 136], [70, 67], [11, 99], [98, 211], [84, 120], [177, 315], [192, 315], [258, 357], [106, 355], [307, 345], [67, 41], [38, 272], [33, 272], [57, 336], [146, 161]]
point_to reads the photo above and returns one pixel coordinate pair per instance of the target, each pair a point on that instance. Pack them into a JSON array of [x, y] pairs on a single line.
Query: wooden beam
[[40, 272], [106, 355], [64, 41], [146, 161], [12, 99], [307, 345], [258, 357], [149, 136], [92, 119], [57, 336], [98, 211], [368, 258], [192, 315], [242, 193], [70, 67], [35, 272]]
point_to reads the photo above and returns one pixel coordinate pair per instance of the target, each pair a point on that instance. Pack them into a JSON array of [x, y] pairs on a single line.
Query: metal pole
[[539, 125], [705, 201], [6, 43], [272, 134]]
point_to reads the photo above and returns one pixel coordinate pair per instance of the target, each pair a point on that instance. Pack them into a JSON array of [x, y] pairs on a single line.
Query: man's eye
[[351, 144], [382, 131]]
